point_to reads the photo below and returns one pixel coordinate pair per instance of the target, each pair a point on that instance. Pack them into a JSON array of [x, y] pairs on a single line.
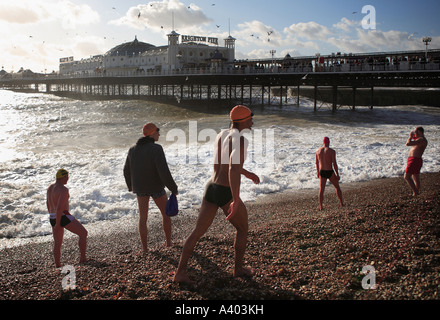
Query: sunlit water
[[41, 133]]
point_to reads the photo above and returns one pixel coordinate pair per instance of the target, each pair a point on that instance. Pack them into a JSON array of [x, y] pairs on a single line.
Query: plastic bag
[[172, 208]]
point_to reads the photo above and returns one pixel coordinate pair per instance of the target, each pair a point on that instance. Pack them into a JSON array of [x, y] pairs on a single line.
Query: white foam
[[369, 145]]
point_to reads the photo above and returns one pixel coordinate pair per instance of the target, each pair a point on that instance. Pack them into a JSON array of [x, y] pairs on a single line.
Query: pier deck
[[252, 88]]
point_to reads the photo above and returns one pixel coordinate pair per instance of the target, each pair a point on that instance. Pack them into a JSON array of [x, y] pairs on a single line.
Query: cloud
[[257, 33], [348, 36], [309, 30], [346, 24], [32, 12], [86, 46], [377, 40], [22, 12], [73, 15], [157, 16]]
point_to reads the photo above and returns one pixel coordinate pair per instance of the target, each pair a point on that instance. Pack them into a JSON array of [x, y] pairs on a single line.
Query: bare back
[[326, 158], [57, 195]]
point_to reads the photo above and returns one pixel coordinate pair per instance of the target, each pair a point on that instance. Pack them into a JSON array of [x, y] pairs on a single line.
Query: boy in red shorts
[[418, 143]]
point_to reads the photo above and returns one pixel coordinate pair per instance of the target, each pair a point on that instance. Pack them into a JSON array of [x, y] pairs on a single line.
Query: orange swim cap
[[240, 113], [149, 129]]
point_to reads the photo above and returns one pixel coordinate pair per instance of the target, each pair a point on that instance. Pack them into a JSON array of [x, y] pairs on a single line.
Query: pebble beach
[[297, 252]]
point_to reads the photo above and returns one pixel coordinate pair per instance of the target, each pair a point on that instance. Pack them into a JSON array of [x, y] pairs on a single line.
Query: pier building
[[140, 58]]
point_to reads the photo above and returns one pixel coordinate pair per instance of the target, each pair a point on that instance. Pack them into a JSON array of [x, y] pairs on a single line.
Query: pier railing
[[403, 66]]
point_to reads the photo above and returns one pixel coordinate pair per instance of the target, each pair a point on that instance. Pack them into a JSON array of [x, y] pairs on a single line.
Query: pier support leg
[[354, 98], [281, 96], [315, 95], [372, 98], [335, 98], [269, 95], [250, 94]]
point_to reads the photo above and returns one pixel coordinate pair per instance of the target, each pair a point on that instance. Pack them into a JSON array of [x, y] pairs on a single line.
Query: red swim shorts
[[414, 165]]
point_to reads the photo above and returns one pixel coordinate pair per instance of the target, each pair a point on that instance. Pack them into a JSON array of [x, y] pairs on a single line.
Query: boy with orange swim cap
[[223, 191]]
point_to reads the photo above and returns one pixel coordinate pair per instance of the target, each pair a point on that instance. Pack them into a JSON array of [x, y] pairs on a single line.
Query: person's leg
[[335, 183], [57, 242], [77, 228], [409, 179], [416, 179], [161, 203], [143, 203], [206, 216], [240, 222], [322, 181]]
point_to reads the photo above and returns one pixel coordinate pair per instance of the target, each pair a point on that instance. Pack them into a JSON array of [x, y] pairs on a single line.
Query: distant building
[[136, 58]]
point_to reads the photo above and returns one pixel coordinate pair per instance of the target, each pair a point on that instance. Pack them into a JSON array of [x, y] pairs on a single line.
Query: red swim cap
[[149, 129], [326, 140], [240, 113]]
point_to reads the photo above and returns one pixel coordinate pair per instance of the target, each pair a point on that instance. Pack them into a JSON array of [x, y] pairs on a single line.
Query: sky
[[35, 34]]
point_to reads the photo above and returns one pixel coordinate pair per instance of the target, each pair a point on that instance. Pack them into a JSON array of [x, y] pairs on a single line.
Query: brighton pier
[[341, 78]]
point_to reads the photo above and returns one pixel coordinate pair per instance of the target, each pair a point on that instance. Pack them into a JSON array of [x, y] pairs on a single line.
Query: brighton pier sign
[[199, 39]]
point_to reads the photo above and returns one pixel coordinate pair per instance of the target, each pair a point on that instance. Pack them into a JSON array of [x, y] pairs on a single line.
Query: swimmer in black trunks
[[60, 218], [327, 168], [223, 191]]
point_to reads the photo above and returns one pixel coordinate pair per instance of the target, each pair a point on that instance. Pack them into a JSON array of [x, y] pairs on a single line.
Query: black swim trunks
[[326, 173], [66, 218], [217, 194]]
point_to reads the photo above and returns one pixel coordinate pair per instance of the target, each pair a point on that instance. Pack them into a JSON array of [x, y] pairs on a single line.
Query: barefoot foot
[[244, 272], [182, 278]]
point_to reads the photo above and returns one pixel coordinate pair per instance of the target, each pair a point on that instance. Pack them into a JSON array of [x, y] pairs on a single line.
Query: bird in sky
[[411, 35]]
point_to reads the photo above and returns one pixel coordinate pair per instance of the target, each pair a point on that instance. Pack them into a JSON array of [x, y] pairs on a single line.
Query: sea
[[40, 133]]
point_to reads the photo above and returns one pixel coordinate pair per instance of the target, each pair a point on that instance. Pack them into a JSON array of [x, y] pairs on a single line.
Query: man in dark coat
[[146, 173]]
